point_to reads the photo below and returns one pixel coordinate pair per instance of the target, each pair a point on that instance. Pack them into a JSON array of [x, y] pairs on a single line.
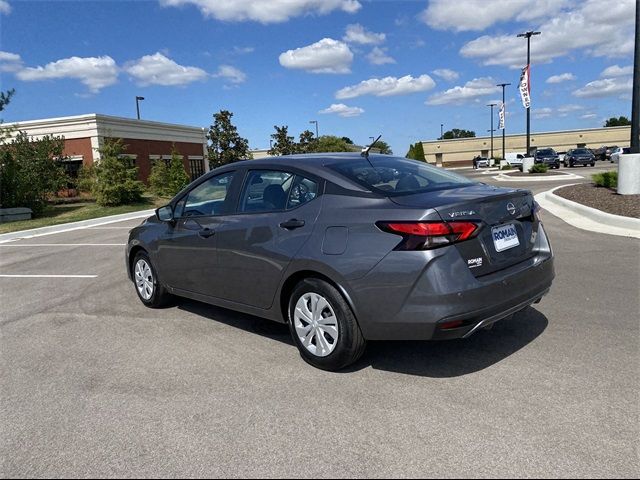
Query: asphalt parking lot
[[94, 384]]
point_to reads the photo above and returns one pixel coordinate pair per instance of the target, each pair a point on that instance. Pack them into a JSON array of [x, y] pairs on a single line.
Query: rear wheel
[[323, 326], [150, 291]]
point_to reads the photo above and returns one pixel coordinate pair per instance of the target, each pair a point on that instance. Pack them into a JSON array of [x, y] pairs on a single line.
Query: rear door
[[276, 215]]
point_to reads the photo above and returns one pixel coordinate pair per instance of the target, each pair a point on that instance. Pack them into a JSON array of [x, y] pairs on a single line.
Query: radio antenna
[[365, 151]]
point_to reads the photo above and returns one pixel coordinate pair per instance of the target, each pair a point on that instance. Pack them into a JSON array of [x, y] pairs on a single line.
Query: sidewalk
[[67, 227], [587, 218]]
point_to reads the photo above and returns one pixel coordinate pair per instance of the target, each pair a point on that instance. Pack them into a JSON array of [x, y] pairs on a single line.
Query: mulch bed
[[604, 199], [550, 173]]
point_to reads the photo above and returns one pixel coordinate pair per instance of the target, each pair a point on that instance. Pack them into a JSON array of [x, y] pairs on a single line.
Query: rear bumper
[[444, 292]]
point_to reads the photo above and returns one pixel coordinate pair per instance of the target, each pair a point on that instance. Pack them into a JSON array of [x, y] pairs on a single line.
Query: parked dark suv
[[548, 156], [346, 249], [579, 156]]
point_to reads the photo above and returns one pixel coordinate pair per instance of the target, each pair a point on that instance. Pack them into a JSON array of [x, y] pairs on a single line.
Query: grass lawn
[[74, 212]]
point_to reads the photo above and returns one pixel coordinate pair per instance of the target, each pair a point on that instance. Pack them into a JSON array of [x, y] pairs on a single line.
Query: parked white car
[[615, 155], [514, 158]]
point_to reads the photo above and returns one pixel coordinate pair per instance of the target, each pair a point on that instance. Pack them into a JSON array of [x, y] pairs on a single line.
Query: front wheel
[[323, 326], [150, 291]]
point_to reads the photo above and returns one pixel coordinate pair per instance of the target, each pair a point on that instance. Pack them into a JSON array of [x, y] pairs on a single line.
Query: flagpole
[[528, 36], [504, 119]]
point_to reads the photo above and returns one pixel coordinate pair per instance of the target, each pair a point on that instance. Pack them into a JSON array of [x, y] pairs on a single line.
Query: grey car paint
[[251, 263]]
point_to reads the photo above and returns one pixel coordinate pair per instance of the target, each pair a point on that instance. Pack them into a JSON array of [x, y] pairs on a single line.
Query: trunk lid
[[501, 213]]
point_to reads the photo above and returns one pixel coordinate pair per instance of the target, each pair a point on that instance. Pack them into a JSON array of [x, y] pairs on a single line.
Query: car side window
[[303, 190], [209, 198], [266, 191]]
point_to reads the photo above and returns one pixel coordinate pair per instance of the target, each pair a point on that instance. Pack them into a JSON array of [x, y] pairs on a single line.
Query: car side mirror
[[165, 214]]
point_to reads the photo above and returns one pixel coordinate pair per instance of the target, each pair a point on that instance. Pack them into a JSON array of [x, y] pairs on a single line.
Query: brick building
[[146, 141]]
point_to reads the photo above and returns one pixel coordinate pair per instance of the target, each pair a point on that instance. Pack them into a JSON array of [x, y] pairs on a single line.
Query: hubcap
[[316, 324], [144, 279]]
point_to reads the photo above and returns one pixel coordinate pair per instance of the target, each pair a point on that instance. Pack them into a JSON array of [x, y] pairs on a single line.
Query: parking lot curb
[[67, 227], [587, 218], [504, 177]]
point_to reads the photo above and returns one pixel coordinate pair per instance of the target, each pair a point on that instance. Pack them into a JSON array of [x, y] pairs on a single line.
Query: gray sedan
[[346, 248]]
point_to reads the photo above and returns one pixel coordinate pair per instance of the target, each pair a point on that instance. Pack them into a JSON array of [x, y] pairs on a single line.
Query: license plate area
[[505, 237]]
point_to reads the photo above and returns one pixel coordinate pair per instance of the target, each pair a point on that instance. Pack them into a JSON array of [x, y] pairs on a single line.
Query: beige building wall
[[462, 150]]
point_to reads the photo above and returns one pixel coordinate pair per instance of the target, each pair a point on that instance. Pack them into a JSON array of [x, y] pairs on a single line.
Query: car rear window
[[545, 151], [581, 151], [396, 176]]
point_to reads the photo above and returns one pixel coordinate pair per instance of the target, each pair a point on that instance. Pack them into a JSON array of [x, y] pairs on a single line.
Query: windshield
[[395, 176], [581, 151], [545, 151]]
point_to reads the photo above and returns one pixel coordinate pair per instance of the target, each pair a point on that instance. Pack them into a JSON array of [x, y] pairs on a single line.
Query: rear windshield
[[395, 176], [580, 151]]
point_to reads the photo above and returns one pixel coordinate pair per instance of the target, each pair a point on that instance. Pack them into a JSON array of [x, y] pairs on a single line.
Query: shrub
[[539, 168], [86, 179], [506, 167], [31, 171], [606, 179], [116, 180], [167, 179]]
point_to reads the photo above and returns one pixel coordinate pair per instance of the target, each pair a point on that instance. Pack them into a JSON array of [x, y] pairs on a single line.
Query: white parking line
[[48, 276], [109, 228], [62, 244]]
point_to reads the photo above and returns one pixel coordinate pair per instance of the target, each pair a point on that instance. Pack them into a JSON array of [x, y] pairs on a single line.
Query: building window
[[130, 159], [196, 167]]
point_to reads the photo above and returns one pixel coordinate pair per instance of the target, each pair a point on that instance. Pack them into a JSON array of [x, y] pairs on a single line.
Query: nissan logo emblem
[[511, 208]]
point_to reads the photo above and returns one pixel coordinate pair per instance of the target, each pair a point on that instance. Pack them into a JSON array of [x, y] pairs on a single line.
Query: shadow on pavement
[[455, 358], [444, 359]]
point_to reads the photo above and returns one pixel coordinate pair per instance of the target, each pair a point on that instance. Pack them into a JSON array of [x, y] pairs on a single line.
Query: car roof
[[310, 159]]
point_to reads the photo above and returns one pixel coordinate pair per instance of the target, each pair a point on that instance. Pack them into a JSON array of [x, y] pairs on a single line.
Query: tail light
[[426, 235], [536, 210]]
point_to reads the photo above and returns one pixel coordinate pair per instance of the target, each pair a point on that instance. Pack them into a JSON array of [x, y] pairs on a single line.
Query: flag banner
[[502, 113], [525, 91]]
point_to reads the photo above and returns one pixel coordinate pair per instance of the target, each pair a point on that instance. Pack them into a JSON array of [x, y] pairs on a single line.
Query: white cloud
[[616, 71], [565, 109], [606, 87], [233, 74], [588, 116], [378, 56], [473, 90], [610, 27], [94, 72], [343, 110], [157, 69], [243, 50], [477, 15], [447, 74], [388, 86], [542, 112], [5, 8], [356, 33], [10, 62], [272, 11], [326, 56], [563, 77]]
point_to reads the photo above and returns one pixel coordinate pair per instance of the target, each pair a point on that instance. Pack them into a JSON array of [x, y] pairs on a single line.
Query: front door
[[187, 251]]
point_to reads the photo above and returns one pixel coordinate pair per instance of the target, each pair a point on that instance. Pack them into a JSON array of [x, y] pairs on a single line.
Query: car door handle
[[206, 233], [292, 224]]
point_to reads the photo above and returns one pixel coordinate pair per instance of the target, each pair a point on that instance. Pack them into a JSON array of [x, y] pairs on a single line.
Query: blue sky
[[360, 68]]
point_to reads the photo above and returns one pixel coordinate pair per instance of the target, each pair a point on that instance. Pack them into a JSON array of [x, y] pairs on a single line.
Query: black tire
[[160, 297], [350, 344], [593, 164]]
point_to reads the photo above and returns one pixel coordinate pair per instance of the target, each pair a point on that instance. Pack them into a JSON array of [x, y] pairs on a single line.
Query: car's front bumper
[[395, 303]]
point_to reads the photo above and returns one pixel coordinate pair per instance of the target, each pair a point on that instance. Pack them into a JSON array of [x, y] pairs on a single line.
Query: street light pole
[[492, 105], [441, 130], [316, 122], [528, 36], [138, 105], [635, 100], [504, 126]]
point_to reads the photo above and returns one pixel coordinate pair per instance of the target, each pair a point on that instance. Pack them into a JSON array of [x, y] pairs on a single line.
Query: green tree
[[617, 122], [225, 144], [307, 142], [116, 180], [31, 171], [283, 144], [159, 178], [416, 152], [5, 98], [411, 153], [458, 133], [348, 140], [331, 143], [178, 177], [383, 147]]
